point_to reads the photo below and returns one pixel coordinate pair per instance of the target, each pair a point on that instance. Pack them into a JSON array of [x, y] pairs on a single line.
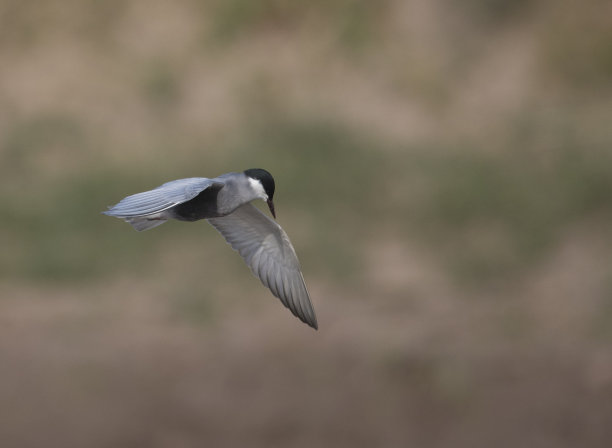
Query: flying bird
[[225, 202]]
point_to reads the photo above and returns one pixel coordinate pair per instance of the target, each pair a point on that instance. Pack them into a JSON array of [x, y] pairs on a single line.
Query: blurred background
[[443, 168]]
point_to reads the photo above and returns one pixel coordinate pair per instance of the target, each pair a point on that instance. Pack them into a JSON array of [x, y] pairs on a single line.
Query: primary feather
[[266, 249], [161, 198]]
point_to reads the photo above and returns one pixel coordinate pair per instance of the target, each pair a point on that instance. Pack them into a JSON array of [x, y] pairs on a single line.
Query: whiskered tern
[[225, 202]]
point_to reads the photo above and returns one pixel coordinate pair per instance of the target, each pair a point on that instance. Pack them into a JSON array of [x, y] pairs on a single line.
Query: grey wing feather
[[266, 248], [161, 198]]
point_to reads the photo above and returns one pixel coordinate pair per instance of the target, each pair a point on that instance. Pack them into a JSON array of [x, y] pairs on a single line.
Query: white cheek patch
[[258, 188]]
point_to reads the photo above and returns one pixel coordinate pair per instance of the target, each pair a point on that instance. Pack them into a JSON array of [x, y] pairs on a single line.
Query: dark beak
[[271, 205]]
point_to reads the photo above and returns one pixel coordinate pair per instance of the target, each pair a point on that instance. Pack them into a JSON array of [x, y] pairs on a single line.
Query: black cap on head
[[267, 181], [265, 178]]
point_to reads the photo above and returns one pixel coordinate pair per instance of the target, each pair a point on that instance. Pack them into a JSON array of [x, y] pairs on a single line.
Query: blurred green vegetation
[[354, 22], [488, 216], [490, 190], [443, 168]]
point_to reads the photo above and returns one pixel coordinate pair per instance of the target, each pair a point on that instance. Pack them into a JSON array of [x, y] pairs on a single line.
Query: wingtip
[[108, 211], [311, 318], [311, 323]]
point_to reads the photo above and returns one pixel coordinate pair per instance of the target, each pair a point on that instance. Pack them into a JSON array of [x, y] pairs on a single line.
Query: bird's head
[[263, 183]]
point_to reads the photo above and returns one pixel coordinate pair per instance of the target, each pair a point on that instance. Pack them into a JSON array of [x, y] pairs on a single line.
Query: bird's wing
[[161, 198], [266, 248]]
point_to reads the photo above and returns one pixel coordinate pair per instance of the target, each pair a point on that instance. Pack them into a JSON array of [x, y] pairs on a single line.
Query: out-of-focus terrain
[[443, 168]]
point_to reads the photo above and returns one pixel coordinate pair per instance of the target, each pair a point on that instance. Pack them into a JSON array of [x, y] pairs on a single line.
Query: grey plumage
[[225, 203], [160, 198], [266, 248]]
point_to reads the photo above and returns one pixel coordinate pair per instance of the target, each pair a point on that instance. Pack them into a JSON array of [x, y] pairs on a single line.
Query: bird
[[225, 202]]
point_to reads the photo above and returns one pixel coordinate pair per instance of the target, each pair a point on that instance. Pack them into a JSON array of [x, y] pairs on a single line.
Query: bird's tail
[[141, 223]]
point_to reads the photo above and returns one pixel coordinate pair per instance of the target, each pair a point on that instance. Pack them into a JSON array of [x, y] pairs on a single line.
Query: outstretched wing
[[161, 198], [266, 248]]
